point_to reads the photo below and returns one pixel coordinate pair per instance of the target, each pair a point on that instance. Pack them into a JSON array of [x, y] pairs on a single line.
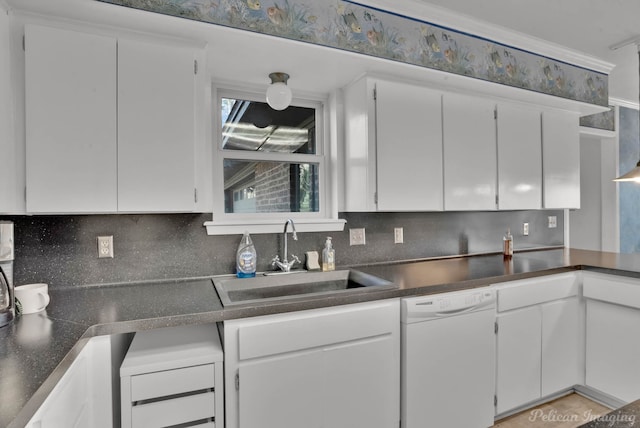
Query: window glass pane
[[268, 187], [252, 125]]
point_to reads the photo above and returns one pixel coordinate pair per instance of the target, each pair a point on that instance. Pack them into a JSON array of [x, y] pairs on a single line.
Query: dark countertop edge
[[132, 326]]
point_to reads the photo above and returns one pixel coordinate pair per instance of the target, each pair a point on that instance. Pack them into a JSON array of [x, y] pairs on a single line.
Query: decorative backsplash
[[362, 29], [605, 120], [62, 250]]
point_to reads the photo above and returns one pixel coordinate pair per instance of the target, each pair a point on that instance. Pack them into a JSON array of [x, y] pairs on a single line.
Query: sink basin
[[237, 291]]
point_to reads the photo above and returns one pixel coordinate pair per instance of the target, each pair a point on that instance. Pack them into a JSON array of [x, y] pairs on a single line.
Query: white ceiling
[[589, 26]]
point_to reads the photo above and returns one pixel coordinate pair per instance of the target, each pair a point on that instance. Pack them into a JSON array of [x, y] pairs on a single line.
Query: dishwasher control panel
[[448, 304]]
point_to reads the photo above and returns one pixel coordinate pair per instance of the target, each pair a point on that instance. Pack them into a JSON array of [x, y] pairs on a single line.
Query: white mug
[[33, 297]]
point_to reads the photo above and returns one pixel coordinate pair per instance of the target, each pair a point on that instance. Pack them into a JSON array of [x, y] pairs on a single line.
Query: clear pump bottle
[[328, 256], [507, 242]]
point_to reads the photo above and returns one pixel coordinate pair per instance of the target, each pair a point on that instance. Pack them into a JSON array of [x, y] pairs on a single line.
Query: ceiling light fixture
[[634, 174], [279, 94]]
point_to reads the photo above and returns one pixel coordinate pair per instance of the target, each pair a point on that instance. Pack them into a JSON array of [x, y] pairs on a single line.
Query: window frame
[[325, 219]]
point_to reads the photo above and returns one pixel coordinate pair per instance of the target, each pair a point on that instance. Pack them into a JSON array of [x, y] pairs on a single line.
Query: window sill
[[273, 226]]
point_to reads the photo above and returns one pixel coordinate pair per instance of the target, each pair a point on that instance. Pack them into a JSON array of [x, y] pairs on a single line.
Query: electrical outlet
[[398, 235], [553, 222], [525, 229], [356, 236], [105, 247]]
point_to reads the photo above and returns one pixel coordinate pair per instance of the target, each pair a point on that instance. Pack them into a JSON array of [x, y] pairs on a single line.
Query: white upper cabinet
[[561, 159], [409, 147], [470, 165], [70, 121], [519, 157], [110, 124], [156, 127]]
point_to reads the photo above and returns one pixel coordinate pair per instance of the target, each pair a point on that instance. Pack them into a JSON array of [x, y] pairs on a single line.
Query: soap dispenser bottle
[[246, 258], [507, 242], [328, 256]]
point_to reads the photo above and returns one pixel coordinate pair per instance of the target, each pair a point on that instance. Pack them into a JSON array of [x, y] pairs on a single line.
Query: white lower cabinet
[[539, 343], [82, 397], [334, 367], [613, 335]]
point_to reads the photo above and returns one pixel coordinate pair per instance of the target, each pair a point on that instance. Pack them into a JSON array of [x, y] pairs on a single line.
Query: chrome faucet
[[286, 265]]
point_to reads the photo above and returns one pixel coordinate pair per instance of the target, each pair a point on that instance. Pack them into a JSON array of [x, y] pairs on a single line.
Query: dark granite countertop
[[624, 417], [37, 349]]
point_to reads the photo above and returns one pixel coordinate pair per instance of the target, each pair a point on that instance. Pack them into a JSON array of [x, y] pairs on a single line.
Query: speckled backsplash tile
[[62, 250]]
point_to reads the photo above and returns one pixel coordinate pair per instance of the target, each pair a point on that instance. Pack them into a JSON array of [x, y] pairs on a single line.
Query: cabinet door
[[519, 158], [562, 346], [519, 362], [156, 123], [83, 396], [613, 349], [284, 392], [409, 148], [470, 161], [70, 121], [360, 381], [561, 159]]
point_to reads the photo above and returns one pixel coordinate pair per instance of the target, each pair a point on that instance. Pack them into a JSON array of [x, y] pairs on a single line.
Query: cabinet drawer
[[518, 294], [613, 289], [316, 328], [170, 382], [173, 412]]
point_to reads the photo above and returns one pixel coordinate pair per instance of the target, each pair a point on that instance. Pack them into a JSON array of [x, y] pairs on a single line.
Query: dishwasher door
[[448, 360]]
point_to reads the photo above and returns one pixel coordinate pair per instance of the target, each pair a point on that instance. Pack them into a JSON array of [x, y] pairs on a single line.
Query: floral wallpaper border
[[605, 120], [354, 27]]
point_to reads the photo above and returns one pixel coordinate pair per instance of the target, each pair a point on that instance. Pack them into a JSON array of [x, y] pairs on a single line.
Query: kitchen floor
[[566, 412]]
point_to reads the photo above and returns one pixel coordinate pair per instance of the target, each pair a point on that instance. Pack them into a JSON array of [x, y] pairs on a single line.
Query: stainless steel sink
[[239, 291]]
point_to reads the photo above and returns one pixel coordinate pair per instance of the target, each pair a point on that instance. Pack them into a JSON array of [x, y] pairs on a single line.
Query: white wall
[[11, 153]]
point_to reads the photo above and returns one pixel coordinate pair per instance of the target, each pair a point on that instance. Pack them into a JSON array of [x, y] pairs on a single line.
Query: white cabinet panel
[[519, 158], [409, 147], [562, 345], [82, 397], [613, 349], [561, 159], [470, 160], [337, 377], [518, 356], [70, 121], [156, 129]]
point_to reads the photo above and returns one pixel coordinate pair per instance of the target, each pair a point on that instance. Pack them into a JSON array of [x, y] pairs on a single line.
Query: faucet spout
[[285, 265]]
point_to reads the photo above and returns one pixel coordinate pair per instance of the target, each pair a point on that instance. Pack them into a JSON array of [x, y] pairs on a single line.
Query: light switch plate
[[525, 229], [357, 236], [553, 222], [398, 235]]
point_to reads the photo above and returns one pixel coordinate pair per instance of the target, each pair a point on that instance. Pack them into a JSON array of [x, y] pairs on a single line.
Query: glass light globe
[[279, 96]]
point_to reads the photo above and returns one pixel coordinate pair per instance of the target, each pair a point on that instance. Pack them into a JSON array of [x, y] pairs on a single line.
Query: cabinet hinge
[[24, 43], [25, 193], [497, 200], [375, 197], [237, 381], [495, 114], [195, 66], [495, 400], [495, 327], [195, 195], [375, 94]]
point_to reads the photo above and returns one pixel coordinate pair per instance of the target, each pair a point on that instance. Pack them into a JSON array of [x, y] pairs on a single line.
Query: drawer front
[[170, 382], [173, 412], [528, 292], [309, 329], [612, 289]]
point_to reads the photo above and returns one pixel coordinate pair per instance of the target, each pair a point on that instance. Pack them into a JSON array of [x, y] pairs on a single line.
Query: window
[[269, 166]]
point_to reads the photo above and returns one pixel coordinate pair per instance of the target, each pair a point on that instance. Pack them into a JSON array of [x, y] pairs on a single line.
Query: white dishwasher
[[448, 360]]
